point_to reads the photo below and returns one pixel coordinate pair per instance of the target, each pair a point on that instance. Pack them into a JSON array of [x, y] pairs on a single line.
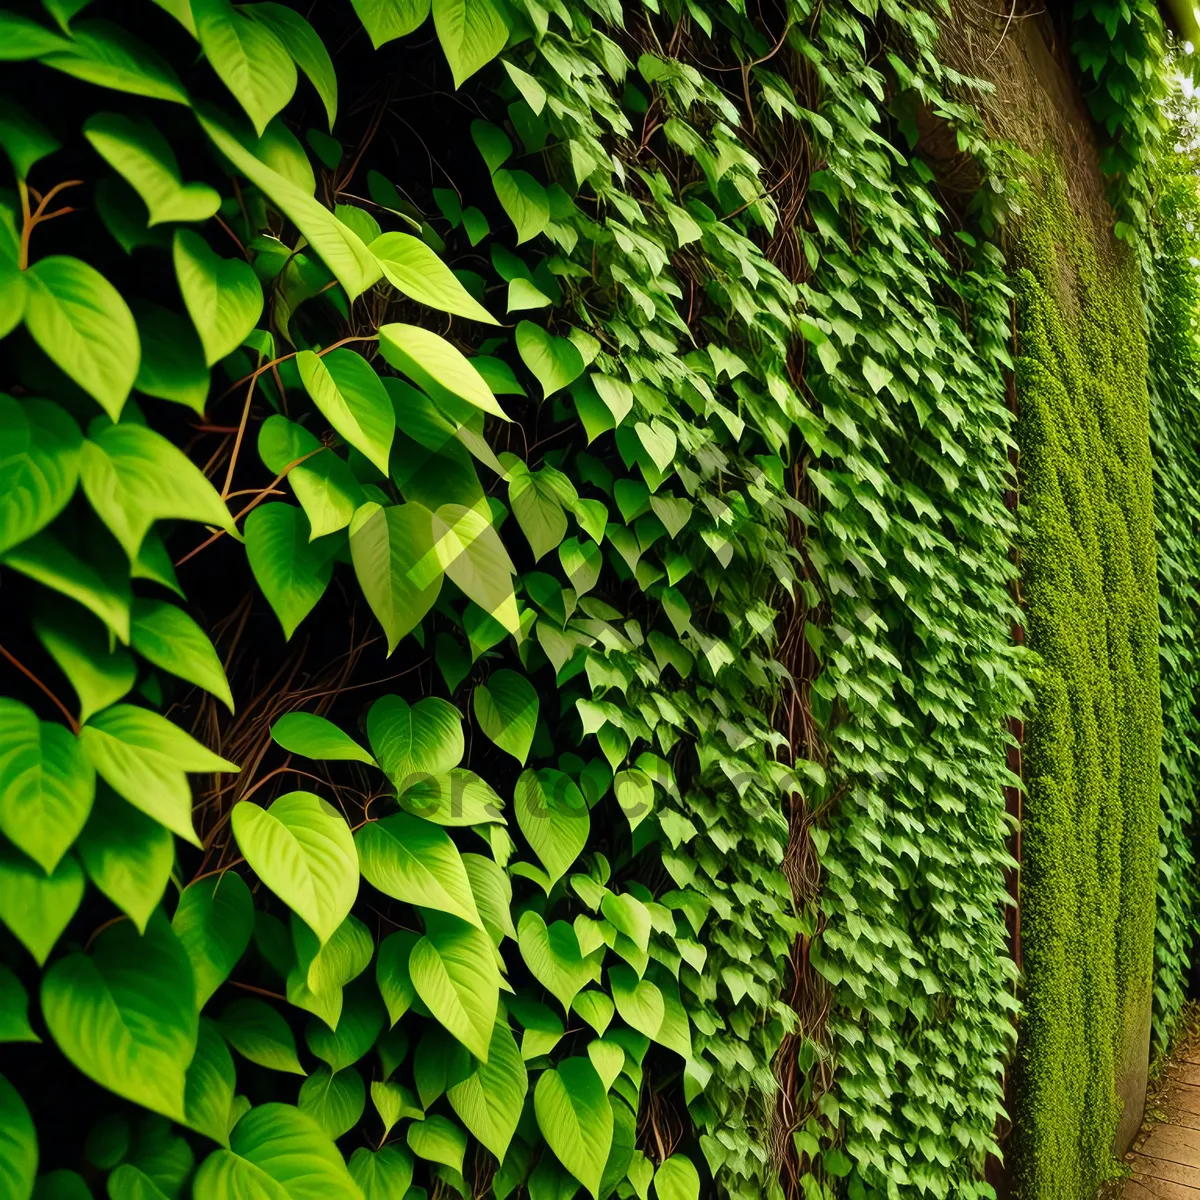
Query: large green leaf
[[382, 1174], [473, 556], [214, 920], [145, 758], [435, 366], [553, 360], [247, 56], [324, 484], [46, 785], [422, 739], [553, 957], [39, 466], [258, 1033], [489, 1102], [21, 38], [135, 149], [412, 267], [223, 295], [397, 569], [173, 363], [506, 708], [472, 33], [437, 1139], [362, 1020], [171, 640], [537, 503], [525, 201], [493, 895], [677, 1179], [416, 862], [303, 850], [305, 47], [84, 327], [554, 818], [454, 971], [339, 247], [315, 737], [124, 1014], [456, 798], [571, 1105], [108, 55], [18, 1145], [127, 856], [392, 974], [275, 1152], [133, 477], [320, 972], [335, 1100], [292, 571], [81, 648], [209, 1088], [344, 386], [35, 906], [386, 20], [639, 1001]]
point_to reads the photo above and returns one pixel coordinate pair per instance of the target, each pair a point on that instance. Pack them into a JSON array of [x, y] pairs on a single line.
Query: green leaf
[[133, 477], [386, 20], [435, 366], [554, 818], [144, 758], [412, 267], [358, 1029], [171, 640], [677, 1179], [524, 200], [506, 708], [393, 1102], [344, 386], [595, 1008], [411, 741], [457, 798], [391, 973], [397, 569], [537, 499], [46, 785], [275, 1151], [473, 556], [123, 1015], [608, 1058], [80, 647], [21, 38], [127, 856], [305, 47], [128, 1182], [554, 361], [39, 466], [635, 795], [454, 971], [14, 1010], [437, 1139], [316, 980], [493, 895], [12, 278], [385, 1173], [639, 1001], [315, 737], [493, 143], [258, 1033], [105, 54], [291, 571], [18, 1145], [302, 849], [172, 366], [24, 139], [339, 247], [472, 33], [214, 921], [35, 906], [553, 957], [223, 295], [490, 1100], [415, 862], [84, 327], [581, 562], [324, 483], [335, 1101], [61, 1185], [248, 58], [136, 150], [210, 1085], [571, 1105]]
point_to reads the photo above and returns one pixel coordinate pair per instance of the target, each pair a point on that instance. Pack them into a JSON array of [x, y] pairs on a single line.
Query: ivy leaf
[[18, 1145], [456, 798], [123, 1014], [103, 53], [677, 1179], [315, 737], [581, 562], [385, 1173], [425, 738], [172, 366], [248, 58], [335, 1100], [292, 571], [554, 361], [35, 906], [435, 366], [170, 639], [493, 895], [537, 505], [223, 295], [39, 466], [473, 556], [392, 975], [143, 156], [437, 1139], [524, 200], [84, 327], [400, 577], [306, 48], [359, 1026], [571, 1105], [320, 972], [21, 38], [453, 970], [639, 1001], [410, 266], [303, 850], [344, 386], [260, 1035], [386, 20], [324, 483], [554, 818], [143, 757], [553, 957], [128, 1182], [214, 921], [635, 795], [210, 1084], [46, 785], [506, 708], [472, 33], [490, 1100], [282, 1144]]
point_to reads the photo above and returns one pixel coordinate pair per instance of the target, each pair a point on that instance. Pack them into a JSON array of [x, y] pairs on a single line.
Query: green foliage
[[1093, 733]]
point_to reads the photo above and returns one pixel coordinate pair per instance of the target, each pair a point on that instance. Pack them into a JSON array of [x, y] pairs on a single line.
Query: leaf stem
[[39, 214], [62, 708]]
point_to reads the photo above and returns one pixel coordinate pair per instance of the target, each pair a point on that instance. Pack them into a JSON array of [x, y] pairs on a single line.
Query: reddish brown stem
[[62, 708]]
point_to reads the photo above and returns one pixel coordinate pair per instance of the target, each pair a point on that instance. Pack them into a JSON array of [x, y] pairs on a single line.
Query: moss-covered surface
[[1094, 729]]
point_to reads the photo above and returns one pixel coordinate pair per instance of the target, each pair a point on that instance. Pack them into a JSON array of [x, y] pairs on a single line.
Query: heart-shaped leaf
[[437, 1139], [490, 1100], [413, 741], [554, 361], [222, 295], [457, 798], [362, 1021], [324, 483], [553, 957], [345, 387], [39, 466], [292, 571], [392, 974], [80, 646], [677, 1179], [453, 970], [638, 1001], [571, 1105], [471, 33], [172, 366], [506, 708], [166, 636], [35, 906], [554, 818], [306, 48], [209, 1088], [525, 201], [385, 1173], [335, 1100], [316, 980], [214, 920], [258, 1033], [303, 850], [608, 1058]]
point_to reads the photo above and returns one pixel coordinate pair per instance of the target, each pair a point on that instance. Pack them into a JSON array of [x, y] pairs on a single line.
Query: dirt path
[[1166, 1156]]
